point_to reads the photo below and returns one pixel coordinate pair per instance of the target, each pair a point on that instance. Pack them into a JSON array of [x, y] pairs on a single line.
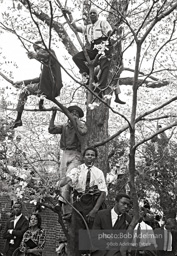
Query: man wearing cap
[[48, 84], [70, 144], [95, 33]]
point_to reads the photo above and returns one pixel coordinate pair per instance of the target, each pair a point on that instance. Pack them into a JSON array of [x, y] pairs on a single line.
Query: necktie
[[138, 235], [115, 224], [87, 185]]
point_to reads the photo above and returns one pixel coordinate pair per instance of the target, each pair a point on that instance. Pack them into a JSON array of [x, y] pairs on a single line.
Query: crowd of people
[[26, 237], [82, 185], [23, 236]]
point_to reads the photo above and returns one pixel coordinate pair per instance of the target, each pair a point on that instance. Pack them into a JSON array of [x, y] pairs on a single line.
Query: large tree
[[145, 41]]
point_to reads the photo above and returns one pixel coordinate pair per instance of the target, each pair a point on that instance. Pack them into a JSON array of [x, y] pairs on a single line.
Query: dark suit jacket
[[103, 222], [17, 234]]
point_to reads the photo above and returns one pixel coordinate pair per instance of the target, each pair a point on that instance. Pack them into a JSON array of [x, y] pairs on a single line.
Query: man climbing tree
[[48, 84], [71, 145]]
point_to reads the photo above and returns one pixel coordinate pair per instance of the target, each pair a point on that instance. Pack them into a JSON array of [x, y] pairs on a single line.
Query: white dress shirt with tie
[[78, 178]]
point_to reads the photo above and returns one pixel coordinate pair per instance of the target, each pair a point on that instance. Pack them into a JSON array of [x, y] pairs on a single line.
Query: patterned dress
[[31, 238]]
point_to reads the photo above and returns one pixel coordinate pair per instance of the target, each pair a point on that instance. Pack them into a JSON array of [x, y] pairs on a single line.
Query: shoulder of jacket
[[128, 218], [102, 212], [24, 217]]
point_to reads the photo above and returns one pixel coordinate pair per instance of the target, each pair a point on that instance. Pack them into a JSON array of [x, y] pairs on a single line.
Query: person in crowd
[[144, 241], [167, 245], [48, 84], [71, 145], [116, 219], [89, 192], [33, 239], [99, 31], [14, 229]]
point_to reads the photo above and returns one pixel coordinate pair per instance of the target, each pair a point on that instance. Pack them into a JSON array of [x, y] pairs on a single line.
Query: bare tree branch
[[155, 109], [58, 27], [157, 19], [155, 134]]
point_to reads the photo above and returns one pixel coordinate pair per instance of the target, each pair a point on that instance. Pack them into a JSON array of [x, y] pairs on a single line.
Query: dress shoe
[[17, 123], [117, 100], [41, 104]]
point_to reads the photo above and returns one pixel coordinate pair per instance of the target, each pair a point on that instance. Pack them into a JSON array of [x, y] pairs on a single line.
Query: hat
[[93, 9], [38, 42], [74, 107]]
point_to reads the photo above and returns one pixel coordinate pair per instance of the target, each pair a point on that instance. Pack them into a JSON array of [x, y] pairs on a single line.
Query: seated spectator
[[33, 239]]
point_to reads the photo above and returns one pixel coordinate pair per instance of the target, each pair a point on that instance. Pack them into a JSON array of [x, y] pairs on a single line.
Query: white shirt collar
[[114, 216], [17, 217]]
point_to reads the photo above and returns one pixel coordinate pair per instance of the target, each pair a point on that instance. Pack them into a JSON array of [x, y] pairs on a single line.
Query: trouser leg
[[80, 60], [30, 89], [104, 65], [73, 160], [22, 100], [70, 159]]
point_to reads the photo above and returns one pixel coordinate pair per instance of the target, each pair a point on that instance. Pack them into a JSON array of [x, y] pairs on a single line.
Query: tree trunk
[[97, 123]]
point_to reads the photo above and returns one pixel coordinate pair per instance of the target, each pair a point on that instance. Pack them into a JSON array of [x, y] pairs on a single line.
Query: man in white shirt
[[14, 230], [96, 33], [89, 192]]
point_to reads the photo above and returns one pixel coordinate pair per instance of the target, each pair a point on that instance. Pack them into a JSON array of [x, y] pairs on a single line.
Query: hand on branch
[[18, 84], [65, 11], [32, 55]]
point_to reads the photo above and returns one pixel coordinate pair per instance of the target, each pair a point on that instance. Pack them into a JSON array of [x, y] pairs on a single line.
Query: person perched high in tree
[[48, 84], [96, 33]]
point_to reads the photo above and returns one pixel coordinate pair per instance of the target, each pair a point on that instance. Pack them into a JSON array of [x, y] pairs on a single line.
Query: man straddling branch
[[89, 192], [47, 85], [71, 145], [98, 34]]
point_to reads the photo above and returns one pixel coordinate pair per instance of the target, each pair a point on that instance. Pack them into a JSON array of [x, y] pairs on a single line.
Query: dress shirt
[[147, 237], [78, 178], [99, 29], [167, 240], [16, 219], [114, 216]]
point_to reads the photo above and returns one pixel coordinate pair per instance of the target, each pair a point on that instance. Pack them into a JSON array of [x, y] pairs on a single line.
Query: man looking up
[[70, 144]]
